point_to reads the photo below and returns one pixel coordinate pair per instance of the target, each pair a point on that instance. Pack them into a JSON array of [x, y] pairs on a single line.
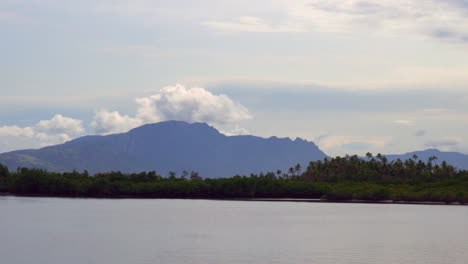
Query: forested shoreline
[[336, 179]]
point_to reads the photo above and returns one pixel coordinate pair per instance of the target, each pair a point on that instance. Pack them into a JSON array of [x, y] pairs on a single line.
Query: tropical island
[[332, 179]]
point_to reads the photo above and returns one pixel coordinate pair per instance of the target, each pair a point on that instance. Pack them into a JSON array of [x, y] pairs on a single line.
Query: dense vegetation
[[340, 178]]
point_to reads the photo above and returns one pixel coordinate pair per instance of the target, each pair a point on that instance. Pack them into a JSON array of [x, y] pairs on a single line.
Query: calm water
[[86, 231]]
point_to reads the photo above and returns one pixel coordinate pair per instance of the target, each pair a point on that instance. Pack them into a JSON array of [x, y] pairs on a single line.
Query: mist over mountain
[[170, 146]]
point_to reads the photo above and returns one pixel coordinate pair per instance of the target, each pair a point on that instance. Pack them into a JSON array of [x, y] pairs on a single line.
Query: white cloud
[[16, 131], [46, 139], [174, 103], [190, 104], [60, 125], [169, 103], [106, 122], [236, 131], [46, 132]]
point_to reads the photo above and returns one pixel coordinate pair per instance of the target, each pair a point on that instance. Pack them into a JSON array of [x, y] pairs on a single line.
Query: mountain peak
[[170, 146], [175, 126], [432, 150], [167, 124], [298, 139]]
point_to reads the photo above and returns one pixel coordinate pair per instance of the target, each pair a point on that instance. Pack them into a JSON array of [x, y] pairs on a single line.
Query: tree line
[[340, 178]]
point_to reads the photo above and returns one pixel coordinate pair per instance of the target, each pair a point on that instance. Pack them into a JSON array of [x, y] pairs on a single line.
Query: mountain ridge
[[170, 146], [177, 146], [456, 159]]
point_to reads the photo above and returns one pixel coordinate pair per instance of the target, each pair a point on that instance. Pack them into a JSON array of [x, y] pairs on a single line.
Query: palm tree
[[430, 160], [172, 175], [194, 176], [184, 174], [279, 173], [379, 156], [298, 169]]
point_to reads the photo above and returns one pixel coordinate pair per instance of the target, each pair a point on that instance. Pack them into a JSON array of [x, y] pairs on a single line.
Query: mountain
[[166, 146], [458, 160]]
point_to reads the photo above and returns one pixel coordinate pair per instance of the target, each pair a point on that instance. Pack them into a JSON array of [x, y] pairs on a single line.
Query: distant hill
[[458, 160], [166, 146]]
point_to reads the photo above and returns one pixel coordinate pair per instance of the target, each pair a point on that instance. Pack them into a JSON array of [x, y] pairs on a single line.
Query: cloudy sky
[[387, 76]]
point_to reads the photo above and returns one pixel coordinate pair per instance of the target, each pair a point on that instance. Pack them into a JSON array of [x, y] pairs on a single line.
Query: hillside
[[169, 146]]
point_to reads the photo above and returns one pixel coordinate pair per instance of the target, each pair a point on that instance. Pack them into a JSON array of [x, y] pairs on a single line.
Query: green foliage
[[348, 178], [376, 169], [4, 173]]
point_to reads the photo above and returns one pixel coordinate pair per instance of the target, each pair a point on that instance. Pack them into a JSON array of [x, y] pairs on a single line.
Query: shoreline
[[353, 201], [295, 200]]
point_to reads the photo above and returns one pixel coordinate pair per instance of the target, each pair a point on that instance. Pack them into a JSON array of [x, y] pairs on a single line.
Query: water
[[87, 231]]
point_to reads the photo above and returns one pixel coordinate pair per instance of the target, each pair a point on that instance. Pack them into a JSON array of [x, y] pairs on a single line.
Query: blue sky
[[352, 76]]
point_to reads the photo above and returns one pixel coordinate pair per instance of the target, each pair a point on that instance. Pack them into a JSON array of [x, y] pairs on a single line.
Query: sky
[[387, 76]]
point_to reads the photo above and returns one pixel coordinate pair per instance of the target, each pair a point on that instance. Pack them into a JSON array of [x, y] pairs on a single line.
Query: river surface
[[134, 231]]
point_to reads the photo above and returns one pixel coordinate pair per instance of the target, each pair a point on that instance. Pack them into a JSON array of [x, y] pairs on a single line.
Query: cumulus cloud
[[16, 131], [45, 139], [169, 103], [106, 122], [60, 125], [236, 131], [174, 103], [192, 105], [46, 132]]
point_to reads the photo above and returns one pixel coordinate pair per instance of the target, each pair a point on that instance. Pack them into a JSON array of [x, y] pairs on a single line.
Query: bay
[[77, 231]]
